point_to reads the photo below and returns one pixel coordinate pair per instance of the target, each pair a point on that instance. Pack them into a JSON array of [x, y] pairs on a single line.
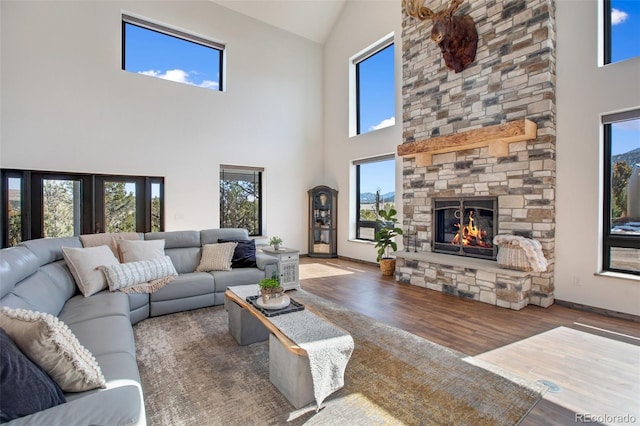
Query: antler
[[416, 9], [453, 6]]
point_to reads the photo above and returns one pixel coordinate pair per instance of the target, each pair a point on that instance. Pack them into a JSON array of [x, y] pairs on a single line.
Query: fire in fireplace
[[465, 226]]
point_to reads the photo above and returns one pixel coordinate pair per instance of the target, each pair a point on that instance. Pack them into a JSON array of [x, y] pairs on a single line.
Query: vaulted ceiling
[[311, 19]]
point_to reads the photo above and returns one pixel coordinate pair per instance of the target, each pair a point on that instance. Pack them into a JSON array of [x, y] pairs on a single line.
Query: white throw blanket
[[328, 346], [532, 249], [329, 349]]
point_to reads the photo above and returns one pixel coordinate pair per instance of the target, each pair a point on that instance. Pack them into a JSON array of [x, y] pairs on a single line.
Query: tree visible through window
[[241, 198], [622, 192], [375, 183]]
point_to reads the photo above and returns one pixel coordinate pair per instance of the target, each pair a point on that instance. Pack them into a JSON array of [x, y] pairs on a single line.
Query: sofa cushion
[[243, 276], [84, 263], [49, 250], [132, 273], [187, 285], [16, 264], [41, 294], [244, 256], [185, 259], [103, 304], [50, 343], [24, 387], [216, 257], [105, 335], [176, 239], [135, 251], [210, 236]]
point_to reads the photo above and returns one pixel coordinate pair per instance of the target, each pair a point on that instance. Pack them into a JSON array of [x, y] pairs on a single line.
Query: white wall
[[584, 92], [361, 24], [67, 106]]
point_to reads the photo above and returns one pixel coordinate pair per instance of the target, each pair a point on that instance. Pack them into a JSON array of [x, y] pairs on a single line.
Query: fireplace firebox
[[465, 226]]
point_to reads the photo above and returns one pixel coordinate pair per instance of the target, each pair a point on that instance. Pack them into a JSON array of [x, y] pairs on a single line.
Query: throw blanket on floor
[[328, 346]]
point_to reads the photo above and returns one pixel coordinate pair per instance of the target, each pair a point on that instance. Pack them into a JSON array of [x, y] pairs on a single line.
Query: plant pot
[[387, 266], [271, 293], [276, 247]]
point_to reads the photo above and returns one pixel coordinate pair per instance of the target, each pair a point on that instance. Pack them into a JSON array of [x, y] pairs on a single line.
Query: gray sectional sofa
[[34, 276]]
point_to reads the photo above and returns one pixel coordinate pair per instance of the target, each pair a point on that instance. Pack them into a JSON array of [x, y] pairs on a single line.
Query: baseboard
[[596, 310]]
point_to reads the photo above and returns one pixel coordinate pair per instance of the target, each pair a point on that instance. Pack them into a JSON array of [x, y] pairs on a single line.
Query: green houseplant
[[275, 241], [385, 239], [270, 288]]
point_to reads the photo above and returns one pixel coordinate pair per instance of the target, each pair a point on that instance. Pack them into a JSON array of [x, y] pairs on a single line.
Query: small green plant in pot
[[385, 239], [275, 242], [270, 288]]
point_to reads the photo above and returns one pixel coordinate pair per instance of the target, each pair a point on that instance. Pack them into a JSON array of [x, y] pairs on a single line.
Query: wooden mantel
[[497, 138]]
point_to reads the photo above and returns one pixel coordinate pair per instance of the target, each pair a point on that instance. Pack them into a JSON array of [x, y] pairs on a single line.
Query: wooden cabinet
[[323, 222]]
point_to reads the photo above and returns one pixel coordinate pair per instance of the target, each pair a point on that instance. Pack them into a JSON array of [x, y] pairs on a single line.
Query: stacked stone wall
[[513, 77]]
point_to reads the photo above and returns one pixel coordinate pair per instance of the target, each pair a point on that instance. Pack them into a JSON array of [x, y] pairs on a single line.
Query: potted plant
[[270, 288], [385, 239], [275, 242]]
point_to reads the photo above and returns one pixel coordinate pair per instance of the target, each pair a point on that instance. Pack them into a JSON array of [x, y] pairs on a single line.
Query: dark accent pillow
[[24, 387], [244, 256]]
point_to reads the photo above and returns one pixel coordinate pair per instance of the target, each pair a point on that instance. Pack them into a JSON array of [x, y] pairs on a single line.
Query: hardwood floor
[[467, 326]]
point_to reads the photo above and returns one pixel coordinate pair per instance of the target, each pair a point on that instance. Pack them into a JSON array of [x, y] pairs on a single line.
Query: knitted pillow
[[132, 273], [216, 257], [50, 344]]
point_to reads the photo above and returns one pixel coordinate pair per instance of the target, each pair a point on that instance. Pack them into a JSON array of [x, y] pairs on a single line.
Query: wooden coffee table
[[289, 365]]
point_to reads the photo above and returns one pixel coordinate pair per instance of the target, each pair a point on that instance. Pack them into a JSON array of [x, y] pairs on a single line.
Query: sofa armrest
[[117, 406], [262, 260]]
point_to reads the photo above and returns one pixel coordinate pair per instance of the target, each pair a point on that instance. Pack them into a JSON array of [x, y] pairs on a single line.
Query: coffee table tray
[[293, 307]]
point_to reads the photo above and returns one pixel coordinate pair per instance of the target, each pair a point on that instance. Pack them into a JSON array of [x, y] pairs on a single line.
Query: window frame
[[610, 240], [177, 33], [260, 180], [354, 81], [369, 224], [31, 208]]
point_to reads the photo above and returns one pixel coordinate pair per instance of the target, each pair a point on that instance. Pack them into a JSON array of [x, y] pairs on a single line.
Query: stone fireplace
[[483, 136]]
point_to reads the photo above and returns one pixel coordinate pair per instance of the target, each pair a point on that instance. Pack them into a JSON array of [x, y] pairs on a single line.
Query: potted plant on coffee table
[[270, 288], [385, 239]]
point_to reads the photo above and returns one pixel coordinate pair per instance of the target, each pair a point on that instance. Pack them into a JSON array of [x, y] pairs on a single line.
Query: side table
[[288, 266]]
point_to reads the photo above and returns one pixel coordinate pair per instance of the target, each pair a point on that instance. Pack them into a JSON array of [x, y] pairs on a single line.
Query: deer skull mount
[[456, 35]]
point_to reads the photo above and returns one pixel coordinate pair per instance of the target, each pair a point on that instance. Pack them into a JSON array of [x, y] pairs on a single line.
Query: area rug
[[194, 373]]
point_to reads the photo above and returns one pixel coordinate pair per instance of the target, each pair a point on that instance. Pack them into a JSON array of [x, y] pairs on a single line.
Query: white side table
[[288, 266]]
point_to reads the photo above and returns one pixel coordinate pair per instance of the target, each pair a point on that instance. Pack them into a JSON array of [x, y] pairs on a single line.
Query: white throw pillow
[[84, 263], [216, 257], [132, 273], [48, 342], [135, 251]]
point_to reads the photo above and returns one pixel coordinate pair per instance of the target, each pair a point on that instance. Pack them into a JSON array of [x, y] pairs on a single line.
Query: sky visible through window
[[377, 90], [625, 44], [163, 56]]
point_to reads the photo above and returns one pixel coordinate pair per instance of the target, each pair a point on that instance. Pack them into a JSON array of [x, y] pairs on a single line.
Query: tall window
[[241, 198], [375, 190], [37, 204], [622, 192], [158, 51], [373, 84], [621, 30]]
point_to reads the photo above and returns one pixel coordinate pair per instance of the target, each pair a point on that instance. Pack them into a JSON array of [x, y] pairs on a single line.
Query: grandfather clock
[[323, 222]]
